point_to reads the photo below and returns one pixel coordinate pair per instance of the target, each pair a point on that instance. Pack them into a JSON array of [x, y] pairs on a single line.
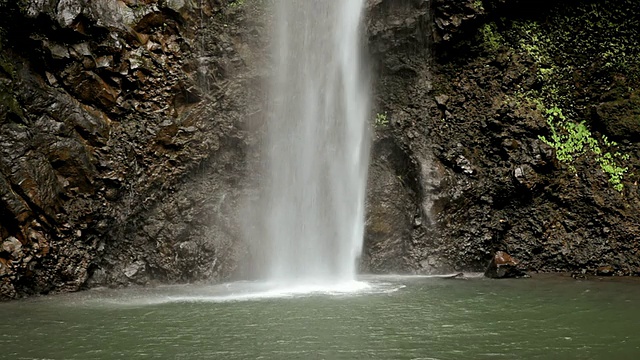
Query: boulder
[[605, 270], [503, 266]]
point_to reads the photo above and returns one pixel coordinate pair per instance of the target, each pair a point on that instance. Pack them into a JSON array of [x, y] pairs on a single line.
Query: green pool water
[[381, 318]]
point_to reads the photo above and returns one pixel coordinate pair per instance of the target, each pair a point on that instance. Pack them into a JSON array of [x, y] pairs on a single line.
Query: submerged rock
[[503, 266], [458, 276]]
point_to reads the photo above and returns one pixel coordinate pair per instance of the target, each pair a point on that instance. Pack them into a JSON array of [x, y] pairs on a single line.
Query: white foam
[[286, 291], [239, 291], [236, 292]]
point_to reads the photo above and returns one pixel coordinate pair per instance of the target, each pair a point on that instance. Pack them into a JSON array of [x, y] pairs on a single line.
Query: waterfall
[[317, 145]]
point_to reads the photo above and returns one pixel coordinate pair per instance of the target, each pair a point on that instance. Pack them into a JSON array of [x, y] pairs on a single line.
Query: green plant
[[576, 42], [381, 119], [611, 168], [236, 3], [572, 140], [491, 37], [478, 5]]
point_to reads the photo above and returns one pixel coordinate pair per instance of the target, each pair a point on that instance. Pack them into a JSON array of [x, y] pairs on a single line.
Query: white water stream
[[311, 219]]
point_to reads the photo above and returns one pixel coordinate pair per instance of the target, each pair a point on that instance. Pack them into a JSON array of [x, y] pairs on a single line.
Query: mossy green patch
[[572, 140], [591, 45], [236, 3], [381, 119], [491, 38], [576, 51]]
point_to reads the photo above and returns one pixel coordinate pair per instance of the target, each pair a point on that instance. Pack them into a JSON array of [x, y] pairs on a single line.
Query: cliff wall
[[127, 129]]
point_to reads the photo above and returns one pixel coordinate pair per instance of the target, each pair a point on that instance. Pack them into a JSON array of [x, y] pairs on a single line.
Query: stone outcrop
[[503, 266]]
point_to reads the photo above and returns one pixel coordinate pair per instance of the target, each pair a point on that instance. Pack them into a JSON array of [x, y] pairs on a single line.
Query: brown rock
[[503, 265], [7, 291], [5, 267], [442, 99], [12, 246], [606, 270], [90, 87], [526, 176]]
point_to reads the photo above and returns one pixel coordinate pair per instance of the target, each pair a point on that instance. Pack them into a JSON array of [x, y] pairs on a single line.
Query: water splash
[[311, 219], [222, 293]]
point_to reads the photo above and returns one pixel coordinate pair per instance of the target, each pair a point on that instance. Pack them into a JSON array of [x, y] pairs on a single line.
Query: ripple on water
[[377, 318]]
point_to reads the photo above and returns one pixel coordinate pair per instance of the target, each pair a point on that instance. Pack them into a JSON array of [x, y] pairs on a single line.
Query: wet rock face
[[460, 109], [390, 208], [452, 17], [398, 36], [118, 127]]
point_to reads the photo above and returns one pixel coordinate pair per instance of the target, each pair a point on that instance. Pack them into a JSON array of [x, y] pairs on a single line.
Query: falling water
[[317, 146]]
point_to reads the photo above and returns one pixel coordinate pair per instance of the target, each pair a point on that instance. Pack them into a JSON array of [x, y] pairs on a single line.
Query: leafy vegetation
[[478, 5], [381, 119], [594, 40], [491, 37], [236, 3], [8, 101], [591, 49], [572, 140]]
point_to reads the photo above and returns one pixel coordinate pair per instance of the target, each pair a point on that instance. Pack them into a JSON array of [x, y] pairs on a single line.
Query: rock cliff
[[123, 129], [128, 128], [516, 131]]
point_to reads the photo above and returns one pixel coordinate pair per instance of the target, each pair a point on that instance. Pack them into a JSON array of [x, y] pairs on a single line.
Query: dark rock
[[458, 276], [5, 268], [579, 275], [621, 117], [526, 176], [7, 291], [464, 165], [388, 220], [503, 187], [442, 99], [80, 172], [88, 86], [451, 17]]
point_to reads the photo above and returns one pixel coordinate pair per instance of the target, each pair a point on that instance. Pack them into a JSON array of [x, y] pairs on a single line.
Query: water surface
[[379, 318]]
